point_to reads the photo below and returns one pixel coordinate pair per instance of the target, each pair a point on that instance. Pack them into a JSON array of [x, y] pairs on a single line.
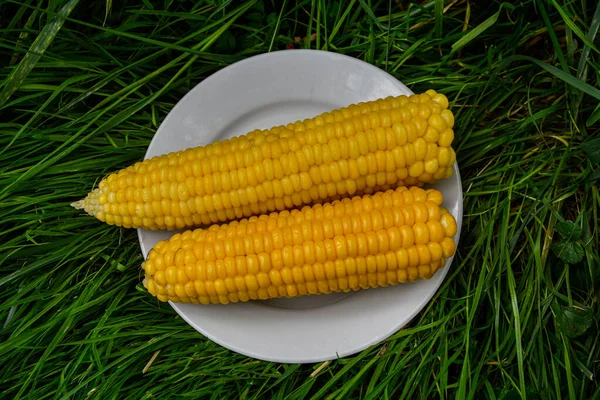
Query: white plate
[[260, 92]]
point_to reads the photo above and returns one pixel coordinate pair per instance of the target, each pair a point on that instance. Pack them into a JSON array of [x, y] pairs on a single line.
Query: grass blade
[[565, 77], [36, 51], [479, 29], [593, 31], [568, 20], [439, 17]]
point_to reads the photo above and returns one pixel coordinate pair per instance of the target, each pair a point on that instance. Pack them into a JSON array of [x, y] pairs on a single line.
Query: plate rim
[[393, 328]]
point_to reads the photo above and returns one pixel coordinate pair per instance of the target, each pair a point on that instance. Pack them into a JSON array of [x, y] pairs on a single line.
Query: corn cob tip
[[89, 203], [78, 204]]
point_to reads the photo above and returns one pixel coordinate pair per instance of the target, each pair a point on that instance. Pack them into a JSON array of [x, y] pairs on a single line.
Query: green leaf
[[107, 13], [572, 321], [571, 253], [332, 9], [562, 75], [540, 115], [592, 149], [439, 16], [569, 230], [591, 180], [594, 117], [369, 11], [582, 67], [479, 29], [571, 24], [37, 49]]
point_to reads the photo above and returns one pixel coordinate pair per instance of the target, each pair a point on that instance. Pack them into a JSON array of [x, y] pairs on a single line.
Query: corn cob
[[350, 244], [356, 150]]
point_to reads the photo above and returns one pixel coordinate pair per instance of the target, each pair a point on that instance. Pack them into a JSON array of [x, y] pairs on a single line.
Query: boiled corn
[[356, 150], [350, 244]]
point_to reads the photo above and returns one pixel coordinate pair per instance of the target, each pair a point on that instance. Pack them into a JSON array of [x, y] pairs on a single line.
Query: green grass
[[84, 86]]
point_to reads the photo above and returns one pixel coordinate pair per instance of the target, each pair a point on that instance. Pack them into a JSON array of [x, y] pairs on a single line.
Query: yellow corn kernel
[[441, 100], [449, 224], [446, 138]]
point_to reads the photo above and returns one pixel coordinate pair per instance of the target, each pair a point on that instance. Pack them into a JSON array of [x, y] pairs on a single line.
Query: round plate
[[260, 92]]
